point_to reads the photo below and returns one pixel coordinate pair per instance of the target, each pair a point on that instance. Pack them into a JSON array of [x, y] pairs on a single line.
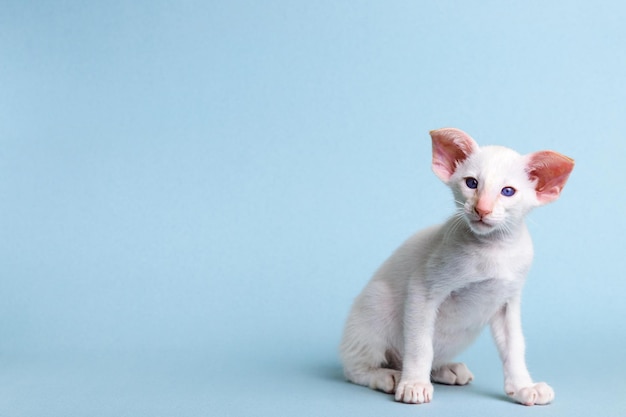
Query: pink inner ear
[[550, 170], [450, 148]]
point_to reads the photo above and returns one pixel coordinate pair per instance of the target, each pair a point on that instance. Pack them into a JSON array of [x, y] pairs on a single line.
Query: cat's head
[[494, 186]]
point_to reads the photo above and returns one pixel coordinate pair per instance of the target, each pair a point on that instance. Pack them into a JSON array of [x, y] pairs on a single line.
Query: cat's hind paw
[[452, 374], [385, 380], [537, 394], [414, 392]]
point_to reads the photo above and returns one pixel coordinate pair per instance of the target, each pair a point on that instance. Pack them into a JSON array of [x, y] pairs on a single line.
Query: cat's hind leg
[[371, 364], [452, 374], [371, 336], [381, 379]]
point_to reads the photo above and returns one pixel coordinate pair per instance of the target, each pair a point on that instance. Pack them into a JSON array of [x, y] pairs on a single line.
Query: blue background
[[192, 194]]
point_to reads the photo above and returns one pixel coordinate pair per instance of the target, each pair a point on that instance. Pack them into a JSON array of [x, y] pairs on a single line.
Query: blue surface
[[191, 195]]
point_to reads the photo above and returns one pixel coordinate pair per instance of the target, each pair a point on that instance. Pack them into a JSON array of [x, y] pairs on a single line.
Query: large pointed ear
[[550, 170], [450, 148]]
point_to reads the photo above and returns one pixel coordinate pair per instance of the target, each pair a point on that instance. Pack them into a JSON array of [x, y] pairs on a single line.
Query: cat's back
[[382, 299], [411, 256]]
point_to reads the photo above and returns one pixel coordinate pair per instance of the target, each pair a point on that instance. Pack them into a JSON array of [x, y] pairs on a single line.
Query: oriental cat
[[440, 288]]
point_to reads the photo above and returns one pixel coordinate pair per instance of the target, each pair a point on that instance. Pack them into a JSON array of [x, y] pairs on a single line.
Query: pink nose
[[482, 211]]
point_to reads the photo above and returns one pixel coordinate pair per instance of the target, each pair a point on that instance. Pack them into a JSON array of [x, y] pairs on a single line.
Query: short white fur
[[437, 291]]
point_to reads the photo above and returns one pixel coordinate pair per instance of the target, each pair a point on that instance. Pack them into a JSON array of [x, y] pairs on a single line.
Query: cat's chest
[[475, 283], [483, 293], [475, 303], [495, 264], [501, 265]]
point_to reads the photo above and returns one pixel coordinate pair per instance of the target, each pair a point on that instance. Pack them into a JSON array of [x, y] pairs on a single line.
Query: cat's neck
[[458, 230]]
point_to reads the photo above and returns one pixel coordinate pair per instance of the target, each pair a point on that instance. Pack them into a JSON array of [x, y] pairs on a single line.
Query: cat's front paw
[[537, 394], [414, 392]]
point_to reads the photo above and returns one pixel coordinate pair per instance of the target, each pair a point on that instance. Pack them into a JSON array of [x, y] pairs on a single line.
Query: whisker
[[456, 221], [505, 231], [460, 203]]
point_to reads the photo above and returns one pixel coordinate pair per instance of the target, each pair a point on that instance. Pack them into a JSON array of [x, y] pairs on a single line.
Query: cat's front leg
[[534, 394], [506, 327], [419, 323]]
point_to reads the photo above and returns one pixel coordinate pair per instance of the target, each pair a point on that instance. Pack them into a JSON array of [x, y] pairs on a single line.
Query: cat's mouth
[[481, 225]]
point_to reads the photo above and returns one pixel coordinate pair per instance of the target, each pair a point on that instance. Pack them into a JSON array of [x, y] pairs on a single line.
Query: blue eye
[[507, 191], [471, 183]]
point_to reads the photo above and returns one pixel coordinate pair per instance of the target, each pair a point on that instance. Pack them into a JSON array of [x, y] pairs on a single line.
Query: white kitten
[[436, 292]]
